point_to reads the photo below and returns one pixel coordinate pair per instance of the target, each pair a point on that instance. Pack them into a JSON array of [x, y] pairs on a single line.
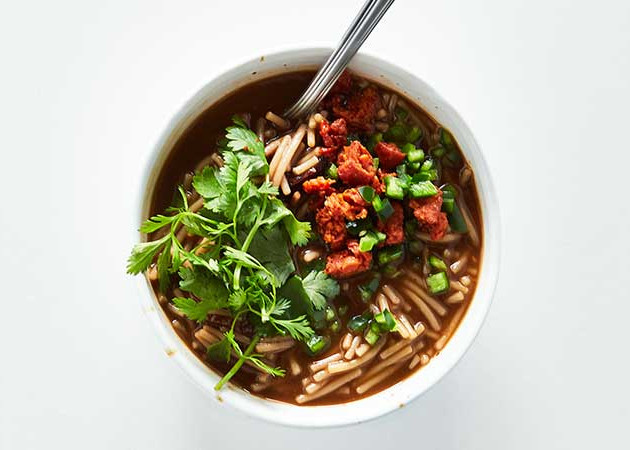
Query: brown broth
[[276, 94]]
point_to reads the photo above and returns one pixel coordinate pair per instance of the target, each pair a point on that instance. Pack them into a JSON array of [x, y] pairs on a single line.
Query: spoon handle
[[360, 28]]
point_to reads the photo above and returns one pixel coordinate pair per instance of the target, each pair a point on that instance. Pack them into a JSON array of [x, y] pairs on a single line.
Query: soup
[[319, 261]]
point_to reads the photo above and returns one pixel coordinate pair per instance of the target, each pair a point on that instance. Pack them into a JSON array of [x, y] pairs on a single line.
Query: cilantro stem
[[241, 360]]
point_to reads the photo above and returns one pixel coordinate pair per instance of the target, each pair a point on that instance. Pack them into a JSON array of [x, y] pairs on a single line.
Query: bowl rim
[[415, 384]]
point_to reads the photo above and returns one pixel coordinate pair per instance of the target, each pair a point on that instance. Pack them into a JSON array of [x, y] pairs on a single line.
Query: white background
[[86, 88]]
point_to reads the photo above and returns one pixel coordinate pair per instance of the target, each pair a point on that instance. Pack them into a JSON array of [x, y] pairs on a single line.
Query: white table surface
[[86, 87]]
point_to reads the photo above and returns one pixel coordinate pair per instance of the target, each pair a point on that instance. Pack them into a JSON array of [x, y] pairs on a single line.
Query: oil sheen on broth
[[433, 317]]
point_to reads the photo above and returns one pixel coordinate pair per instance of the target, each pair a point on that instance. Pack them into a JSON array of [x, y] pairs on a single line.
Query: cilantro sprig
[[245, 259]]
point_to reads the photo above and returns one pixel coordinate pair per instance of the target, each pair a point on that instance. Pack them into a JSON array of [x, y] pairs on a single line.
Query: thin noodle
[[288, 154], [203, 163], [415, 288], [472, 231], [455, 298], [311, 162], [284, 142], [197, 205], [447, 239], [403, 319], [344, 366], [274, 347], [284, 185], [381, 300], [369, 384], [389, 351], [392, 294], [277, 120], [424, 309], [308, 155], [414, 361], [353, 347], [330, 387], [400, 355], [362, 349], [310, 137], [271, 148], [402, 329], [346, 341], [322, 363]]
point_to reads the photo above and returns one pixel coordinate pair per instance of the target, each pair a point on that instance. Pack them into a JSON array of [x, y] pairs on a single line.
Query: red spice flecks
[[389, 155], [428, 212], [345, 263]]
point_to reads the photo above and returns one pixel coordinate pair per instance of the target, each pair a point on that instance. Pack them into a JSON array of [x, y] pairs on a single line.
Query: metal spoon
[[360, 28]]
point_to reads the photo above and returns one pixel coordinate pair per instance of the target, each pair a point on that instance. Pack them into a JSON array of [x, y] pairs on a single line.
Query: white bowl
[[403, 392]]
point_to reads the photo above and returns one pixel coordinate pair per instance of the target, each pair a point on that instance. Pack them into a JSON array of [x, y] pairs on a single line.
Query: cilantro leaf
[[142, 255], [193, 310], [299, 327], [220, 351], [242, 138], [271, 249], [206, 184], [237, 299], [299, 232], [320, 287], [155, 223], [209, 289]]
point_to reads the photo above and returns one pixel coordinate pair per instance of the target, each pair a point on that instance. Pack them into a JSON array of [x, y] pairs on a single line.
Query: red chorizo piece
[[319, 185], [359, 109], [429, 215], [348, 262], [343, 85], [355, 165], [331, 218], [389, 155], [393, 227], [334, 136]]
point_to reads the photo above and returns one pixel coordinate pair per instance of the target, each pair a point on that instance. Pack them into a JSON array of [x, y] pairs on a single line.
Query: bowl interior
[[400, 394]]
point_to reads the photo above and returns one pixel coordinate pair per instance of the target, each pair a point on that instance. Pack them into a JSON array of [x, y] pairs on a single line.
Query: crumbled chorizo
[[343, 85], [355, 165], [333, 134], [429, 215], [393, 227], [359, 109], [331, 218], [319, 185], [355, 205], [389, 155], [348, 262]]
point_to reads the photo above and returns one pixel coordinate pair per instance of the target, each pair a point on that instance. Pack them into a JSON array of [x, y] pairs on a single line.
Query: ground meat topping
[[429, 215], [389, 155], [393, 227], [359, 109], [319, 185], [348, 262], [331, 218], [355, 165], [334, 135]]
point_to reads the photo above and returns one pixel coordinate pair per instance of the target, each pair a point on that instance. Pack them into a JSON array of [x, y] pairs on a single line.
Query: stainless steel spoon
[[360, 28]]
